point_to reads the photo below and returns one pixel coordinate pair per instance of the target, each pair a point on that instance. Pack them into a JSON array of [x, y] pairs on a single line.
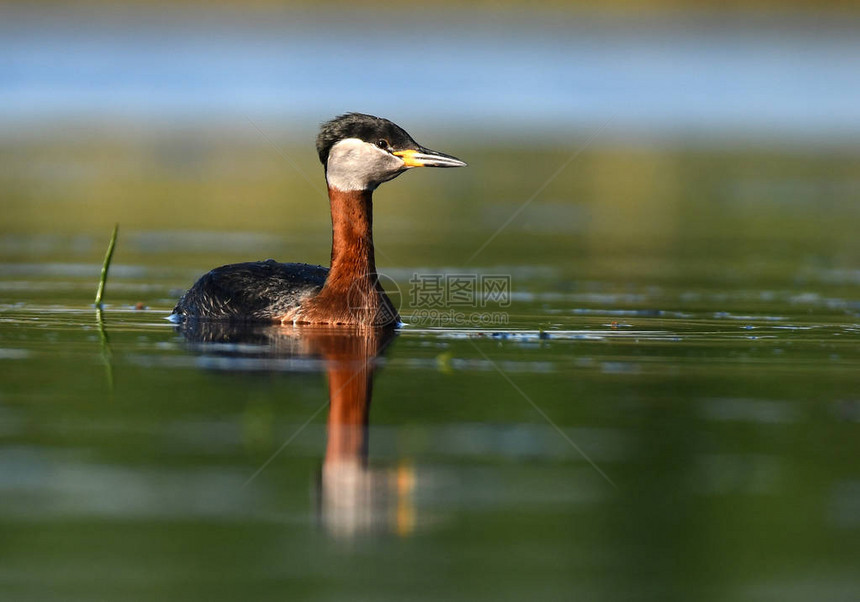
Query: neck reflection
[[353, 498]]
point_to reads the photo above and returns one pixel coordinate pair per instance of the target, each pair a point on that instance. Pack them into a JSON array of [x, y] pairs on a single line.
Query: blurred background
[[193, 126]]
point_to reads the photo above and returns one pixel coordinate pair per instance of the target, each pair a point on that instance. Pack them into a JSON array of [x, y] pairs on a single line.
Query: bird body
[[359, 153], [257, 291]]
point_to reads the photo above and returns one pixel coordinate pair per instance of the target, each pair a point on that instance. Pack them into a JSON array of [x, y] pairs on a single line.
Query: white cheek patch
[[354, 164]]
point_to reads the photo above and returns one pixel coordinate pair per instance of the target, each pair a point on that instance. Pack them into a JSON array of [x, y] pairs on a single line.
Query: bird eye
[[382, 143]]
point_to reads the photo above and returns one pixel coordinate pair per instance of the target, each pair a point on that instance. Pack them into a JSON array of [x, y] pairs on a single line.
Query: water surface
[[668, 411]]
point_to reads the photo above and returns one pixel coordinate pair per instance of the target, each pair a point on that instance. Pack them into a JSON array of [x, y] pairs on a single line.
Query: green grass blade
[[106, 266]]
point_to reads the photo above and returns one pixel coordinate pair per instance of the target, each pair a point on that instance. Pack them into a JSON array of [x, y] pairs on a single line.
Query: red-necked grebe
[[359, 153]]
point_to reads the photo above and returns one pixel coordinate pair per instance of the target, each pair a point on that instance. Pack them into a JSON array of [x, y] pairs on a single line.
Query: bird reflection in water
[[352, 497]]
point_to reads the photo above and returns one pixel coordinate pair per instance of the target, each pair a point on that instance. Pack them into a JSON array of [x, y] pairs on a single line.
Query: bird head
[[360, 152]]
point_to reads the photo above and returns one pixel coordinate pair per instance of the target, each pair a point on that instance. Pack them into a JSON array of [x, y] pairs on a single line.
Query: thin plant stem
[[106, 267]]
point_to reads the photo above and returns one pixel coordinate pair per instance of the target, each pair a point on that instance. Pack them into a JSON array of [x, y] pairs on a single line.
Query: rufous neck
[[352, 255]]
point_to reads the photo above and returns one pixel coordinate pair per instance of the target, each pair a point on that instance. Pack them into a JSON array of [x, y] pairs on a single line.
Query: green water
[[669, 410]]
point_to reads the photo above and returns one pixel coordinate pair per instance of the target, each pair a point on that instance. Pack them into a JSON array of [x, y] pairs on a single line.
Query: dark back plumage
[[258, 291]]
